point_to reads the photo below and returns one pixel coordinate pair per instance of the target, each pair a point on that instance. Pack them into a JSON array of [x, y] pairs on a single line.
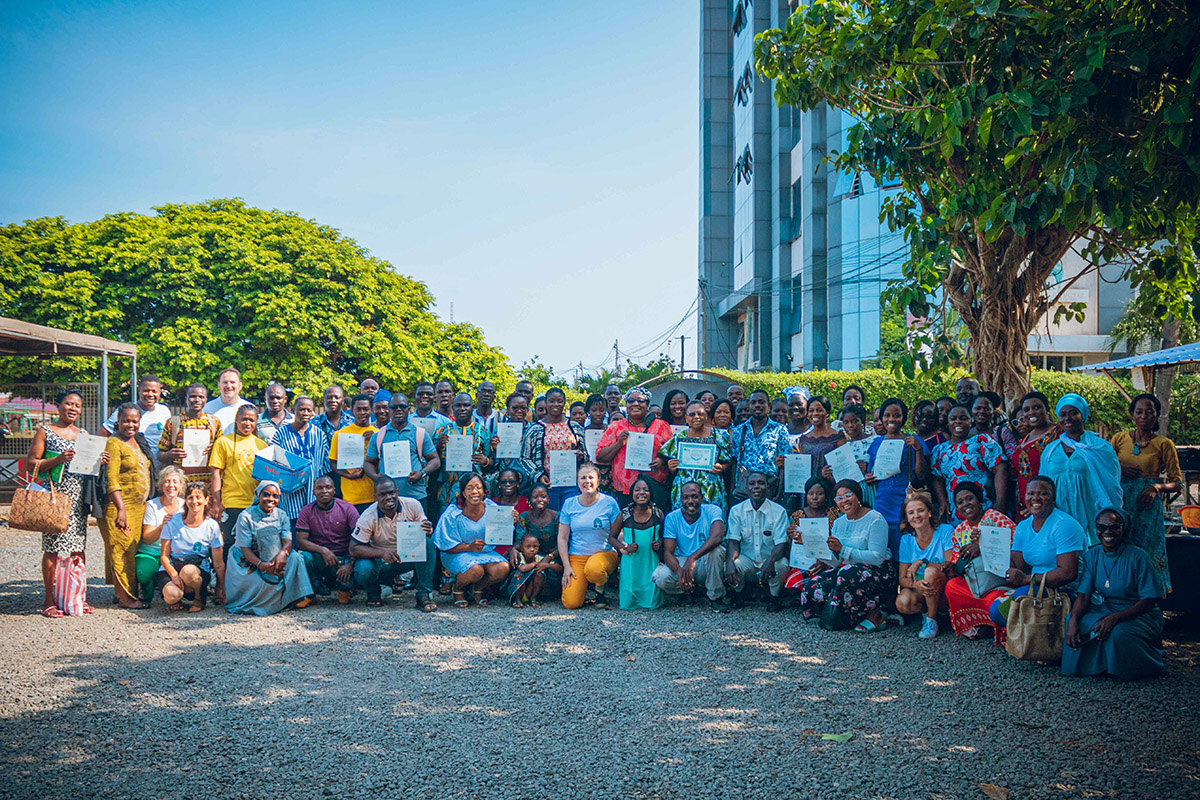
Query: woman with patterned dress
[[131, 474], [968, 612], [556, 432], [710, 481], [817, 504], [52, 448], [820, 438], [1145, 456], [1026, 461], [964, 457]]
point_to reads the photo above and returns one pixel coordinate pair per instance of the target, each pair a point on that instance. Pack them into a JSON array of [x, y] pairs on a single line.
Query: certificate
[[798, 557], [814, 533], [591, 439], [797, 469], [562, 467], [88, 450], [459, 450], [498, 523], [697, 455], [410, 540], [843, 464], [995, 548], [352, 447], [677, 429], [397, 459], [509, 434], [639, 450], [194, 442], [887, 458], [429, 424]]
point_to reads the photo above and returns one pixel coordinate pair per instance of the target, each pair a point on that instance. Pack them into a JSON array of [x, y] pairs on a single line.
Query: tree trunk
[[1165, 376]]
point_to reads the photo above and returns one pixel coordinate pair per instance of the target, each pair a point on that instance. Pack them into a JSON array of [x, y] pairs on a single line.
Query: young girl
[[529, 575], [508, 494], [195, 549], [860, 438], [638, 542], [541, 522]]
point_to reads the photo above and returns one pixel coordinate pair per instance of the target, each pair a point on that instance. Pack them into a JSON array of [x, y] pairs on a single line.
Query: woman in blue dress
[[460, 535], [890, 492], [1082, 465], [1114, 626], [264, 575]]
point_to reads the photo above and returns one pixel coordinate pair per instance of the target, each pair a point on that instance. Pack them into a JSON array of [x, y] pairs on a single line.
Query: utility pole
[[616, 359], [682, 339]]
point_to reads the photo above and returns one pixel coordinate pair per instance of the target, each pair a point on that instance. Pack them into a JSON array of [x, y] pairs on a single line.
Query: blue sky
[[534, 163]]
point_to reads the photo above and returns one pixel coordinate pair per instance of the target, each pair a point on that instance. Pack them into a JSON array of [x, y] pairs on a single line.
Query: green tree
[[541, 375], [1016, 130], [893, 338], [201, 286]]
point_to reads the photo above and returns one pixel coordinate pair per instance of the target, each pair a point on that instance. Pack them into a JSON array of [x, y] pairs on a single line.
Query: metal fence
[[26, 406]]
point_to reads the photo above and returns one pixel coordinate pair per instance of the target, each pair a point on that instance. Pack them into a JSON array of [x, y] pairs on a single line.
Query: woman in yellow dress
[[130, 474]]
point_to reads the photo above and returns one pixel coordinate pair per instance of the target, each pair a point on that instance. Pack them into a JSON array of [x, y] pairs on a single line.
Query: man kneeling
[[373, 546], [693, 533], [323, 537], [757, 543]]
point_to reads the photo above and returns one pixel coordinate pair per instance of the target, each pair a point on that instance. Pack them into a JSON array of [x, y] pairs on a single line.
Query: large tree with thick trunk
[[1018, 130]]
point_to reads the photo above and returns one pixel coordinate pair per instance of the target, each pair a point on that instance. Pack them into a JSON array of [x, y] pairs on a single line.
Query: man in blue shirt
[[759, 445], [692, 554], [423, 458]]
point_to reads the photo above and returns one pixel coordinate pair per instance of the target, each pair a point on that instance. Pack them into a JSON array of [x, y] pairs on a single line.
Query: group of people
[[886, 529]]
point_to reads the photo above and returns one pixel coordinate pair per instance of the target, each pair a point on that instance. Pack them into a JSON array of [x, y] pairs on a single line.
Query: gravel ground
[[496, 703]]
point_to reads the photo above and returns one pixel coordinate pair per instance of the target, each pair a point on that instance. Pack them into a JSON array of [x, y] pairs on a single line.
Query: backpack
[[379, 434]]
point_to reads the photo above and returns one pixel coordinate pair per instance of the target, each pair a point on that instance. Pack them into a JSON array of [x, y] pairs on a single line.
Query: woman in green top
[[149, 551], [700, 431], [638, 542]]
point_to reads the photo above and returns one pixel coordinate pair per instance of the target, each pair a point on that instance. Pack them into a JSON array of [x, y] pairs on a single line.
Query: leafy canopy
[[1016, 129], [201, 286]]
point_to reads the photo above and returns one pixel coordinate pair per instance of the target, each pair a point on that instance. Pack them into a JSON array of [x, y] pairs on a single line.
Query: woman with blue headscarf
[[264, 575], [1083, 466]]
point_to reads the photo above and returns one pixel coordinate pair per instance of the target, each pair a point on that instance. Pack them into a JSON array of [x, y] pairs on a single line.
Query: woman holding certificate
[[556, 434], [461, 536], [821, 438], [894, 462], [698, 455], [50, 454], [816, 503], [969, 608], [131, 473], [631, 445]]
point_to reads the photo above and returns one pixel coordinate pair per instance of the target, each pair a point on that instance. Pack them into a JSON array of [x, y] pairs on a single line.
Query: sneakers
[[929, 629]]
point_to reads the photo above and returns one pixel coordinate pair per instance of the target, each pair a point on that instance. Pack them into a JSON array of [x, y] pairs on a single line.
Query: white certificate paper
[[459, 450], [591, 439], [995, 548], [797, 469], [428, 424], [410, 540], [499, 525], [510, 439], [814, 532], [887, 458], [194, 442], [397, 459], [798, 557], [843, 464], [352, 448], [639, 450], [562, 467], [88, 450], [677, 429], [697, 455]]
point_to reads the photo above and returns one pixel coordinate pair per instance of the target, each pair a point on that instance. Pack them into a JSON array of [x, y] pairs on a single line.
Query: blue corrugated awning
[[1184, 354]]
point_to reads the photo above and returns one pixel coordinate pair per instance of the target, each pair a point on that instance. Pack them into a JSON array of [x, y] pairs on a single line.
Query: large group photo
[[742, 398]]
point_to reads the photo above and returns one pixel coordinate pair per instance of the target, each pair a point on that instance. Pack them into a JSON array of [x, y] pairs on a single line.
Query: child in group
[[192, 553], [529, 575]]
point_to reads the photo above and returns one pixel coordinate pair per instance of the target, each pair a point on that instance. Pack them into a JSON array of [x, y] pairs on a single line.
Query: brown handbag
[[44, 512], [1037, 625]]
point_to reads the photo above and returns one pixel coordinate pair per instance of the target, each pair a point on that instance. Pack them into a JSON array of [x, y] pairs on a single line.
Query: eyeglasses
[[400, 407]]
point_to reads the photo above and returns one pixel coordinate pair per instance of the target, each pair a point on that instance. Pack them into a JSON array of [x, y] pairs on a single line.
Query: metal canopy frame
[[25, 339]]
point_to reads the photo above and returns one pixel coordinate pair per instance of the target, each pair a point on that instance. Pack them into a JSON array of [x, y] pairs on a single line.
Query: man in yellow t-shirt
[[357, 489], [232, 462]]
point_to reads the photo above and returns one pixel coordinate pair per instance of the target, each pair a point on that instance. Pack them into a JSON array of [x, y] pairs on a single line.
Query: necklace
[[1137, 446], [1108, 571]]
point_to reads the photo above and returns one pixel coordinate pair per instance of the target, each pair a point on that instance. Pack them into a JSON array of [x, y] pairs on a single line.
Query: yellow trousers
[[120, 548], [588, 569]]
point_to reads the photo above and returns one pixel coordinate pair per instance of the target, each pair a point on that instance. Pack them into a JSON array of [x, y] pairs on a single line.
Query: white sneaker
[[929, 629]]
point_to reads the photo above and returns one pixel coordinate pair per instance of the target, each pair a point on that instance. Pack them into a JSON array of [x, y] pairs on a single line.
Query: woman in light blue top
[[1114, 627], [1047, 542], [923, 550], [1082, 465], [586, 523], [460, 536], [265, 575]]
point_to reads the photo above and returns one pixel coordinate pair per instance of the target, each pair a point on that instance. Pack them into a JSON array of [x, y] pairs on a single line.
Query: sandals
[[52, 612], [866, 626], [460, 599], [196, 606], [427, 605], [175, 607], [483, 602], [303, 602], [89, 610]]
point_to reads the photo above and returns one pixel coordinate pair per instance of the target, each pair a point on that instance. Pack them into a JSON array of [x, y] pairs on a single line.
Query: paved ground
[[496, 703]]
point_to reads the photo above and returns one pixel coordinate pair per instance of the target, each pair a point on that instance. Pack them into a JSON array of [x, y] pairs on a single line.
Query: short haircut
[[360, 396], [149, 377], [417, 388], [234, 370]]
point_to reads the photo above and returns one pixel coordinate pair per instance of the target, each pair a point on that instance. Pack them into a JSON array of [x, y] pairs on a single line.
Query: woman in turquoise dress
[[460, 536], [1114, 626], [700, 431], [1083, 466], [638, 542], [265, 575]]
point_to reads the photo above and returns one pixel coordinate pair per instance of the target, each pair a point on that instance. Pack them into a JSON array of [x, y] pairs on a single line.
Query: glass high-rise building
[[793, 257]]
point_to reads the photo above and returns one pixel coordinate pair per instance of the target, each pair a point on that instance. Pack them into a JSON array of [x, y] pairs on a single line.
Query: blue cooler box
[[273, 463]]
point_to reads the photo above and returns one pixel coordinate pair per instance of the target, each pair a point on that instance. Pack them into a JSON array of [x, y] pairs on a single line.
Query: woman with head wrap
[[611, 449], [264, 575], [1083, 466]]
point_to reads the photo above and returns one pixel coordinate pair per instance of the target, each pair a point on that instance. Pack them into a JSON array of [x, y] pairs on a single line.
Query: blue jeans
[[321, 574], [372, 573]]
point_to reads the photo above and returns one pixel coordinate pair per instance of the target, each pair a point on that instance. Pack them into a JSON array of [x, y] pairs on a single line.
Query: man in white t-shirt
[[224, 406], [154, 413], [692, 553]]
